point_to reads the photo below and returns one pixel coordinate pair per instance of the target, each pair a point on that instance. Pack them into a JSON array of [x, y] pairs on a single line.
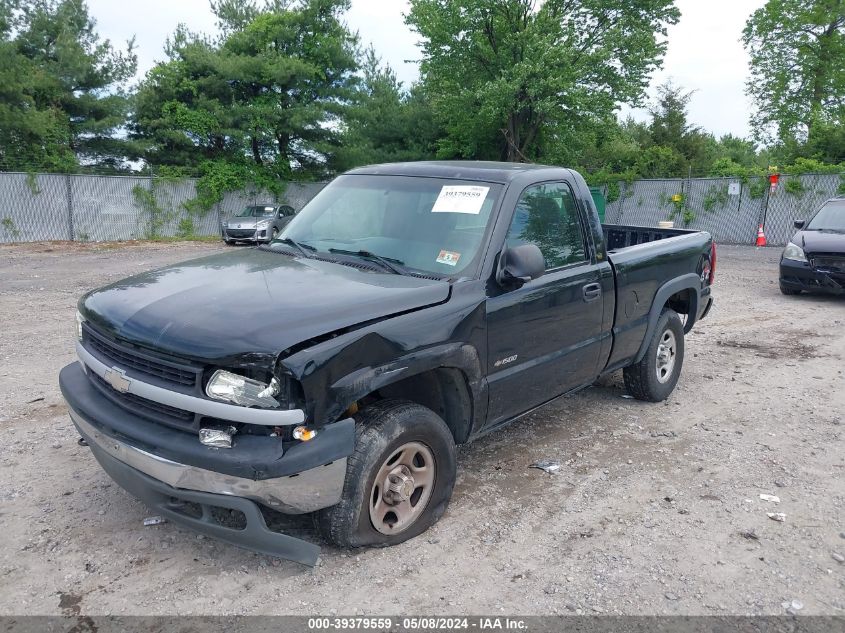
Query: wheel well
[[443, 390], [680, 301]]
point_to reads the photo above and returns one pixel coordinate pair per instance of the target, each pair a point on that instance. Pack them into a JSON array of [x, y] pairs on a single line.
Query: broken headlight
[[224, 385]]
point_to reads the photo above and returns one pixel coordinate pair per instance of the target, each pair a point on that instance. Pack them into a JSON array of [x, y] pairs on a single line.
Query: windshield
[[256, 212], [831, 217], [433, 225]]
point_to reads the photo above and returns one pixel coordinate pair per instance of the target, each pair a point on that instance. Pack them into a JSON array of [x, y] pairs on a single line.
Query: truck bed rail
[[620, 236]]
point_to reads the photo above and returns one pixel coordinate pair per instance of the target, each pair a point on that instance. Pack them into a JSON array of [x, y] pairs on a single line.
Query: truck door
[[545, 337]]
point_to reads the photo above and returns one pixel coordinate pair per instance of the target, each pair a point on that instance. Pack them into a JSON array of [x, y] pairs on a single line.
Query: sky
[[704, 51]]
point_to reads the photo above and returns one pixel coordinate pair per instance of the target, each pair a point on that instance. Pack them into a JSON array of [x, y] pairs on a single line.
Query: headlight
[[225, 385], [79, 321], [794, 252], [263, 224]]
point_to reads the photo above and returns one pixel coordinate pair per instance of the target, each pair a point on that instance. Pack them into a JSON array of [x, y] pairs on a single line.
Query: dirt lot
[[657, 509]]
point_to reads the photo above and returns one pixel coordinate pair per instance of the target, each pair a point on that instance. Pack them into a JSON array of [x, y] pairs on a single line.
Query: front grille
[[129, 358], [829, 263], [240, 233], [155, 411]]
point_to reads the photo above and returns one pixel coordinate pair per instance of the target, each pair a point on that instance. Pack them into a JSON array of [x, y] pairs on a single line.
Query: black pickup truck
[[406, 309]]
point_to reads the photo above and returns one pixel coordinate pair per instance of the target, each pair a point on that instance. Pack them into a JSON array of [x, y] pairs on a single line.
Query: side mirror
[[799, 224], [519, 265]]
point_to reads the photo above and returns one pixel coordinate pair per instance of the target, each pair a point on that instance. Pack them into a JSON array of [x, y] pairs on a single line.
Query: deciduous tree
[[797, 78], [508, 77]]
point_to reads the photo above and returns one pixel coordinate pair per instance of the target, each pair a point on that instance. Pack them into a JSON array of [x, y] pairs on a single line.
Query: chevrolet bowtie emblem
[[117, 379]]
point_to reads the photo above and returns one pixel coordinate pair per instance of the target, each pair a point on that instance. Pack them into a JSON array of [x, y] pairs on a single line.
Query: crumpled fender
[[335, 373]]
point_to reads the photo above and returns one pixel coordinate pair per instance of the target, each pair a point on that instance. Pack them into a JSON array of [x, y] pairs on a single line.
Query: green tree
[[62, 88], [269, 94], [510, 78], [386, 123], [738, 150], [691, 147], [797, 78]]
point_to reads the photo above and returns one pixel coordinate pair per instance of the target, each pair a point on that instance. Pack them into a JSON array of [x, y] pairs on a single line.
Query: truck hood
[[251, 301], [820, 241]]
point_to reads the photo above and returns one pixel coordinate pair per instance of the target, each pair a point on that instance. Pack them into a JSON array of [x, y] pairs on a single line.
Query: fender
[[335, 373], [358, 384], [690, 281]]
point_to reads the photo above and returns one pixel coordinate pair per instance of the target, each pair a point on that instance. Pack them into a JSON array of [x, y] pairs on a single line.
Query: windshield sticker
[[460, 199], [448, 257]]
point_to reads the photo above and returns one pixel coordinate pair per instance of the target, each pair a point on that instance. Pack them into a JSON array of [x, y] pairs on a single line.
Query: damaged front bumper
[[795, 275], [171, 471]]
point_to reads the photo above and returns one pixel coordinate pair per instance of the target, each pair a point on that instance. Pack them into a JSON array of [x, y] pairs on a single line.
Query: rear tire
[[654, 378], [789, 291], [406, 499]]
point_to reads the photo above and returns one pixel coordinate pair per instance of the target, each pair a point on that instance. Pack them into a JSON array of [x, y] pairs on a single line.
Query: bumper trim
[[172, 503], [299, 493], [235, 413]]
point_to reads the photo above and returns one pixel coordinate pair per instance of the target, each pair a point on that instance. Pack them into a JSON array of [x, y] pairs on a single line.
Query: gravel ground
[[656, 509]]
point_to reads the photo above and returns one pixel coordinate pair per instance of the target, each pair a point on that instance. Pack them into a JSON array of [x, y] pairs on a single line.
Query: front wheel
[[655, 376], [399, 479], [789, 291]]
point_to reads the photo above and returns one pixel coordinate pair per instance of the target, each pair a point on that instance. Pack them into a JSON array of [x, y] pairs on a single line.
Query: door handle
[[591, 292]]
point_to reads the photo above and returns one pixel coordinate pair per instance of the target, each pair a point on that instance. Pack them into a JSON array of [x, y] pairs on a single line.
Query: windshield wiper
[[393, 265], [298, 245]]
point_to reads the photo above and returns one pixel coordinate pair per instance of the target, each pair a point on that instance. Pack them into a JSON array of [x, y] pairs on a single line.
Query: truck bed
[[618, 236], [643, 260]]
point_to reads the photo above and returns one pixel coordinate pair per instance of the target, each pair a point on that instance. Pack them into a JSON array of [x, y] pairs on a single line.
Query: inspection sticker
[[460, 199], [448, 257]]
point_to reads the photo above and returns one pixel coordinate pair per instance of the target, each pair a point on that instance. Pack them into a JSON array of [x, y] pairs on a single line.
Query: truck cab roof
[[486, 171]]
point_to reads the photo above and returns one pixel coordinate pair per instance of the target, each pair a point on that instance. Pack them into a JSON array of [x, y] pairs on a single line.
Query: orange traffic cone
[[761, 237]]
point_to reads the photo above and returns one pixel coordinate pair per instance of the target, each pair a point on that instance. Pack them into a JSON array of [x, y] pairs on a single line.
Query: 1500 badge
[[505, 361]]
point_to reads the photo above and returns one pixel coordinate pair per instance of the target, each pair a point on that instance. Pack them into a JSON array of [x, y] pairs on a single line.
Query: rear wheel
[[655, 376], [789, 291], [399, 479]]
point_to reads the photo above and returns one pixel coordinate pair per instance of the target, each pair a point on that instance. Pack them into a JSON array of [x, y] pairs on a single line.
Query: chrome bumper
[[221, 410], [302, 492]]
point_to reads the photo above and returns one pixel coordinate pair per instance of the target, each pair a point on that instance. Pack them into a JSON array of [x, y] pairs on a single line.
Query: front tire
[[789, 291], [655, 376], [399, 479]]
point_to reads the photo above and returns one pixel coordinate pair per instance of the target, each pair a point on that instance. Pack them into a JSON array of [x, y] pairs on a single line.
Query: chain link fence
[[729, 209], [40, 207]]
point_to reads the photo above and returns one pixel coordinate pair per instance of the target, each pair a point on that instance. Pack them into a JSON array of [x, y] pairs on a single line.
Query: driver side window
[[546, 215]]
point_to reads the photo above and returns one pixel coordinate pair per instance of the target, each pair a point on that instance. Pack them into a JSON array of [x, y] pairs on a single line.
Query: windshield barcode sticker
[[460, 199]]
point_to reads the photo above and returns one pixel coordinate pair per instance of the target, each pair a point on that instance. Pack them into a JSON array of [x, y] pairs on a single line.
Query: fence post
[[764, 210], [69, 189], [621, 199]]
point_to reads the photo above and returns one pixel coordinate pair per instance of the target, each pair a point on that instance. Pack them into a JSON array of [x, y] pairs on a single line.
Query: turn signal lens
[[303, 433]]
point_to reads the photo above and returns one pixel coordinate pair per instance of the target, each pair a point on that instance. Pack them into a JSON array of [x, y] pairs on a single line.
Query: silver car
[[256, 223]]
